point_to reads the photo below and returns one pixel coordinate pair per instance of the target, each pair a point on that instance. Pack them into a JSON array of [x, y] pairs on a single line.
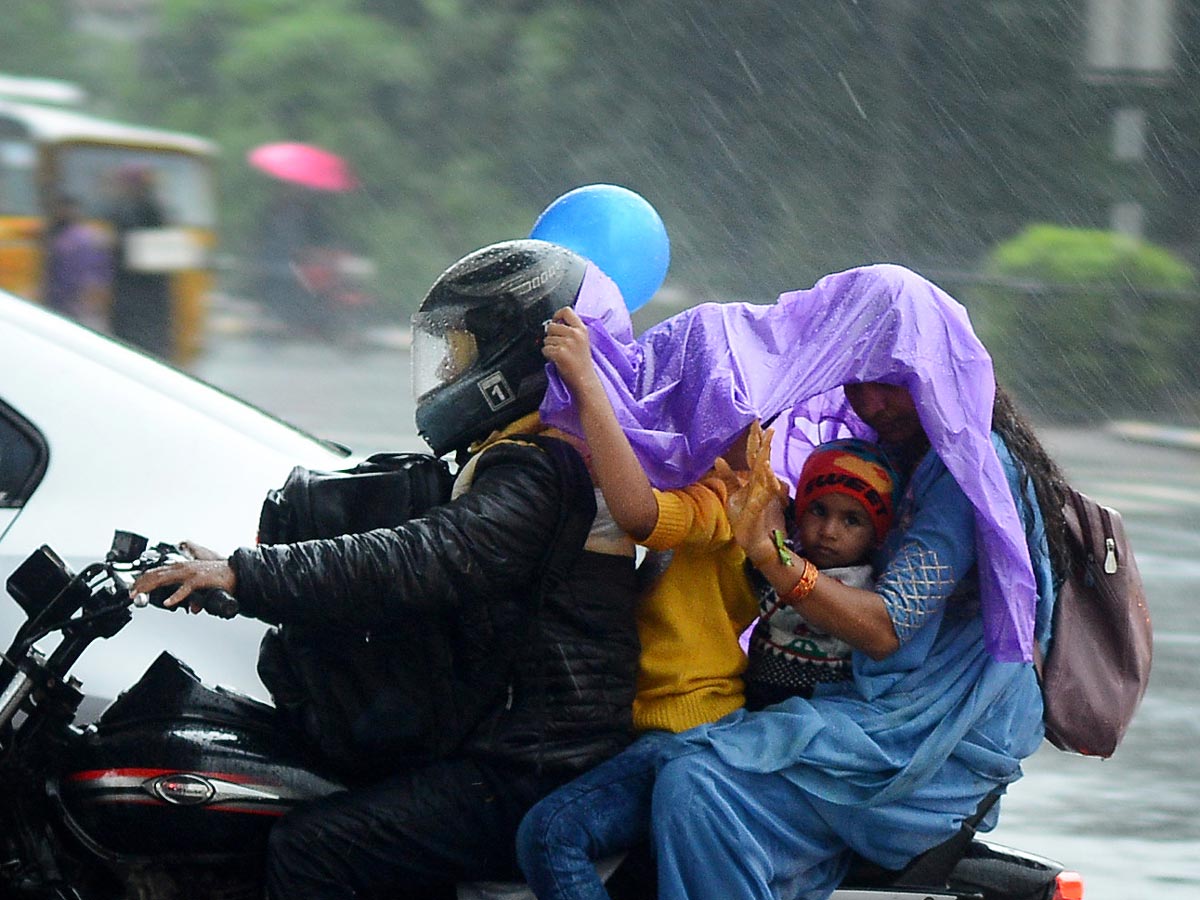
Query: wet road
[[1129, 824]]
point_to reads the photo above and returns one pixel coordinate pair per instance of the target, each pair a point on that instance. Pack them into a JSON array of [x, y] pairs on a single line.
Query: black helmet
[[477, 357]]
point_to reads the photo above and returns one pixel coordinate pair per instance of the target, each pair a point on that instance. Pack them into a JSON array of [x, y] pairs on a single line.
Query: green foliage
[[1088, 256], [1081, 320], [36, 41], [419, 97], [780, 140]]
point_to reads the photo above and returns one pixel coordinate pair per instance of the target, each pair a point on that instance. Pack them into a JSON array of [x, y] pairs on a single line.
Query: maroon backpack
[[1101, 641]]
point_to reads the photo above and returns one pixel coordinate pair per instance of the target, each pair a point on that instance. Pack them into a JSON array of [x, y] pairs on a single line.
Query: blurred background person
[[78, 269], [140, 312], [299, 268], [294, 267]]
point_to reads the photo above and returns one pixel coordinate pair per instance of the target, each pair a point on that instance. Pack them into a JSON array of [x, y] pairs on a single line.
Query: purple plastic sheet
[[686, 389]]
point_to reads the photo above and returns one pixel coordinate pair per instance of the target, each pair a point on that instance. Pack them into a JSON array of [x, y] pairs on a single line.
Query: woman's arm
[[926, 568], [755, 508], [615, 468], [858, 617]]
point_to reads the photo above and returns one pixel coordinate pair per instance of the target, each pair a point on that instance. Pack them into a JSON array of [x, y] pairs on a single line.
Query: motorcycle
[[170, 793]]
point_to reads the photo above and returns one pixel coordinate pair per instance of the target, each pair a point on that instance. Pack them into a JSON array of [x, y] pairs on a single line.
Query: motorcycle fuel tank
[[179, 769]]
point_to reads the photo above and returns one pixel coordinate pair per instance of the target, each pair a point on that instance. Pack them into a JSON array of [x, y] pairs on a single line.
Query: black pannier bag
[[363, 702], [383, 490]]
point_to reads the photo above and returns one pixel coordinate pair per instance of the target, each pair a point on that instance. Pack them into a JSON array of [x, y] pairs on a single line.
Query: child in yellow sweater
[[691, 617], [689, 622]]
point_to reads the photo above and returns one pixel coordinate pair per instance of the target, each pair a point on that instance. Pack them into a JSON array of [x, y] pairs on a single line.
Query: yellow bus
[[48, 150]]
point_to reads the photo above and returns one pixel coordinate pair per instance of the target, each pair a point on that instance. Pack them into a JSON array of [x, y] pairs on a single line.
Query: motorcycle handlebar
[[130, 550], [213, 601]]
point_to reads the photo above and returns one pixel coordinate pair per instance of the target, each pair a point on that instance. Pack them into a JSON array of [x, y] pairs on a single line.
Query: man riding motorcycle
[[543, 647]]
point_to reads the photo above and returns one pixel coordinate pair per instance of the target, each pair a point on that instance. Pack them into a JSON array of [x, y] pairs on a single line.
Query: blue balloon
[[616, 229]]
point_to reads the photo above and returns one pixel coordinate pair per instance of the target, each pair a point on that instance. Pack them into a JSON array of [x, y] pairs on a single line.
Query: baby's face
[[835, 530]]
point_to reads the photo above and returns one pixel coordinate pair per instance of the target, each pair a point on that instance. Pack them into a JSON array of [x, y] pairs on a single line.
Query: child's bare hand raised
[[567, 345], [756, 497]]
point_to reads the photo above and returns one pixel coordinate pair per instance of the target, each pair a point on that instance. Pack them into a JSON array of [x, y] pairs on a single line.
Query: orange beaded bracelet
[[804, 586]]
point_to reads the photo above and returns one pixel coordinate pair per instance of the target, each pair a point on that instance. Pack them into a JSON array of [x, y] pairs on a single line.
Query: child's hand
[[756, 498], [567, 345]]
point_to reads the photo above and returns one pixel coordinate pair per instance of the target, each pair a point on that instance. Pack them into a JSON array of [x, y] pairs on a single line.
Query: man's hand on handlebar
[[206, 572], [195, 551]]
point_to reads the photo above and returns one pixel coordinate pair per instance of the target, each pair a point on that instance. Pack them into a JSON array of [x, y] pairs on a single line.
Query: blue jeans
[[602, 812]]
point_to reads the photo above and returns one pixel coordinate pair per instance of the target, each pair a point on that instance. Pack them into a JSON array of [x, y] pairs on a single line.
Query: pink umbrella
[[304, 164]]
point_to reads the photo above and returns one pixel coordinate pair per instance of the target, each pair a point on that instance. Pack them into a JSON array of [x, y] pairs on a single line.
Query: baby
[[842, 511]]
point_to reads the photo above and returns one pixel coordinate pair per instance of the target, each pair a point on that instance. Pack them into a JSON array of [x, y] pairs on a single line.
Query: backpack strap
[[576, 512], [933, 867]]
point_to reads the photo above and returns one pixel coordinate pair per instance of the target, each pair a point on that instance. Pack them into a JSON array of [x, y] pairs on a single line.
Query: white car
[[94, 437]]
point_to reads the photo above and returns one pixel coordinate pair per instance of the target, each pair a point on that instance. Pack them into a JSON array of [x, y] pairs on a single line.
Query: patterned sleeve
[[933, 553]]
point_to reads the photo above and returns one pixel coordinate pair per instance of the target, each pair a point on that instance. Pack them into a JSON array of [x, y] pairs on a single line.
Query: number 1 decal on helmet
[[496, 391], [477, 361]]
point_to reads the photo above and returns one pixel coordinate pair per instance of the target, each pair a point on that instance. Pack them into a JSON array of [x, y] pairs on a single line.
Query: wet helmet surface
[[477, 358]]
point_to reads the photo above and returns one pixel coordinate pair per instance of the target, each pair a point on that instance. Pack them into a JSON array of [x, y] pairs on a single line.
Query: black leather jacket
[[559, 684]]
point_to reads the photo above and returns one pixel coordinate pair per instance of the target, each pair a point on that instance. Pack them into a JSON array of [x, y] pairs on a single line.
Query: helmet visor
[[442, 350]]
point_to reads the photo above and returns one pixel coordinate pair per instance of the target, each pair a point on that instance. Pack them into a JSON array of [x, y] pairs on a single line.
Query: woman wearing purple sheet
[[944, 704]]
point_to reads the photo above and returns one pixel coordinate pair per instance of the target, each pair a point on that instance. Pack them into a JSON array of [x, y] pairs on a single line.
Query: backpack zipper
[[1111, 562], [1110, 543]]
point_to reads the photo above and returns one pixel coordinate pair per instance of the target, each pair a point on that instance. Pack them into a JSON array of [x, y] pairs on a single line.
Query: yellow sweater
[[690, 619]]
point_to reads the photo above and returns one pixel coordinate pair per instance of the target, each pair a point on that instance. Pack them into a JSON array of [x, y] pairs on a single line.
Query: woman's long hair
[[1035, 464]]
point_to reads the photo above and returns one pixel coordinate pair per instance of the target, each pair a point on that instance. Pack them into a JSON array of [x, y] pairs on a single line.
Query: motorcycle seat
[[929, 869]]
